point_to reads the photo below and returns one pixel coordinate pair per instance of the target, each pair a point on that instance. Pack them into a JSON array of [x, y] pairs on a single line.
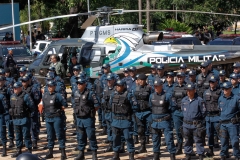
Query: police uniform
[[161, 77], [236, 87], [22, 70], [179, 92], [11, 64], [33, 80], [4, 116], [121, 120], [151, 77], [84, 104], [222, 73], [210, 98], [168, 88], [193, 119], [21, 107], [142, 111], [183, 66], [54, 118], [99, 91], [7, 92], [57, 77], [229, 109], [36, 96], [71, 68], [127, 79], [74, 78], [9, 80], [203, 80], [161, 120], [59, 68]]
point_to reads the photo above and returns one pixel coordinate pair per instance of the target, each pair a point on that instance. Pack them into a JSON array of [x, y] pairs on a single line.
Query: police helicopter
[[125, 45]]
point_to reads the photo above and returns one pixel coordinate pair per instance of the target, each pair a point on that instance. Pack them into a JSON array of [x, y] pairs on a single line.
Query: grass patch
[[230, 32]]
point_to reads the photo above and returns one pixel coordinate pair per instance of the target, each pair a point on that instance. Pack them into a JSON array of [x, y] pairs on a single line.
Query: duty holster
[[200, 131], [157, 131], [116, 131]]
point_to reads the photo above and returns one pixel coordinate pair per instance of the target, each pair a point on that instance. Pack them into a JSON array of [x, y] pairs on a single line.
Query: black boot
[[94, 155], [122, 149], [216, 143], [179, 149], [100, 125], [45, 147], [201, 157], [19, 151], [135, 140], [80, 156], [172, 157], [143, 145], [223, 158], [110, 147], [4, 152], [116, 156], [63, 154], [156, 156], [188, 156], [11, 143], [50, 154], [147, 140], [76, 149], [29, 150], [104, 131], [210, 152], [131, 156], [89, 148], [34, 144]]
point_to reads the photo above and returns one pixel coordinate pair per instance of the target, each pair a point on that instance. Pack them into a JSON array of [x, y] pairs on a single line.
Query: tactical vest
[[120, 104], [83, 106], [106, 96], [18, 106], [203, 83], [28, 90], [50, 105], [211, 98], [142, 96], [3, 91], [178, 94], [159, 104], [99, 89]]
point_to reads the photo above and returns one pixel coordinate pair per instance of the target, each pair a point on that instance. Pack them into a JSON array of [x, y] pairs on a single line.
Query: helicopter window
[[47, 59], [96, 54]]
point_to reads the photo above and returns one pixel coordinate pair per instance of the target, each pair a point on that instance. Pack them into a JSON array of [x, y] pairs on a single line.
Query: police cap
[[137, 76], [213, 78], [83, 73], [81, 81], [181, 74], [227, 85], [222, 73], [170, 74], [121, 83], [153, 66], [2, 78], [209, 61], [25, 78], [29, 74], [51, 68], [183, 66], [158, 82], [160, 66], [125, 70], [190, 86], [110, 76], [27, 156], [17, 85], [132, 68], [192, 73], [51, 83], [236, 65], [234, 76], [106, 65], [23, 69], [2, 71], [142, 76], [77, 68], [204, 64], [50, 76]]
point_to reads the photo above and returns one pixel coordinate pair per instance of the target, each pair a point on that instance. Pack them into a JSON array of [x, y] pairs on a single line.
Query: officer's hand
[[63, 107]]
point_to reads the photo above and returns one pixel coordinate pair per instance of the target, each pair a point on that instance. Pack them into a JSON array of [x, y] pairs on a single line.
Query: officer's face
[[7, 74], [110, 83], [74, 60], [204, 69], [106, 70], [51, 89], [17, 90], [183, 70], [222, 77], [132, 73], [120, 88], [76, 72], [10, 52], [2, 83], [192, 78], [213, 84], [25, 83], [236, 69], [141, 82], [170, 78], [22, 74], [191, 92], [227, 91], [160, 71], [154, 71], [158, 89], [126, 74], [180, 79], [234, 81], [81, 87]]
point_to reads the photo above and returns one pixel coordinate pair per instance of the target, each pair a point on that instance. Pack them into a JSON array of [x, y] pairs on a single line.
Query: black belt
[[83, 117], [162, 119], [213, 114], [194, 122], [53, 115], [19, 117], [233, 121], [121, 117]]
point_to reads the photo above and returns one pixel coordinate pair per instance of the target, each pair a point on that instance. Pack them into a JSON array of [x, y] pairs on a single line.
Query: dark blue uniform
[[99, 91], [150, 79], [4, 116], [168, 88], [229, 108], [193, 119]]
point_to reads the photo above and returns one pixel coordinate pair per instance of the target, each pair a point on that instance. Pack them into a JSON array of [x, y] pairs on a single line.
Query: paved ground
[[71, 144]]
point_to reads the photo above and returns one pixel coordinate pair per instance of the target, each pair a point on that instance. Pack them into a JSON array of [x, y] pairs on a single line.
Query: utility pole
[[140, 13], [148, 15], [13, 21], [29, 26]]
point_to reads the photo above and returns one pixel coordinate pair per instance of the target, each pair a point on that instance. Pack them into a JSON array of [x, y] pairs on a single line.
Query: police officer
[[8, 83], [99, 91], [211, 69], [54, 104], [85, 104], [21, 107], [222, 77], [59, 68], [11, 64], [33, 80], [210, 98], [236, 67], [7, 92], [73, 63], [76, 70], [127, 78], [183, 68], [203, 79], [229, 109], [107, 109], [169, 85], [235, 83], [160, 103], [22, 72], [192, 77], [121, 102], [179, 93], [193, 108], [142, 110], [160, 73], [36, 96], [4, 117], [151, 77], [57, 77], [9, 79]]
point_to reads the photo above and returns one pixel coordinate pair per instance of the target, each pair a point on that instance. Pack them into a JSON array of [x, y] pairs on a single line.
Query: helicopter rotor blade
[[88, 22], [44, 19]]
